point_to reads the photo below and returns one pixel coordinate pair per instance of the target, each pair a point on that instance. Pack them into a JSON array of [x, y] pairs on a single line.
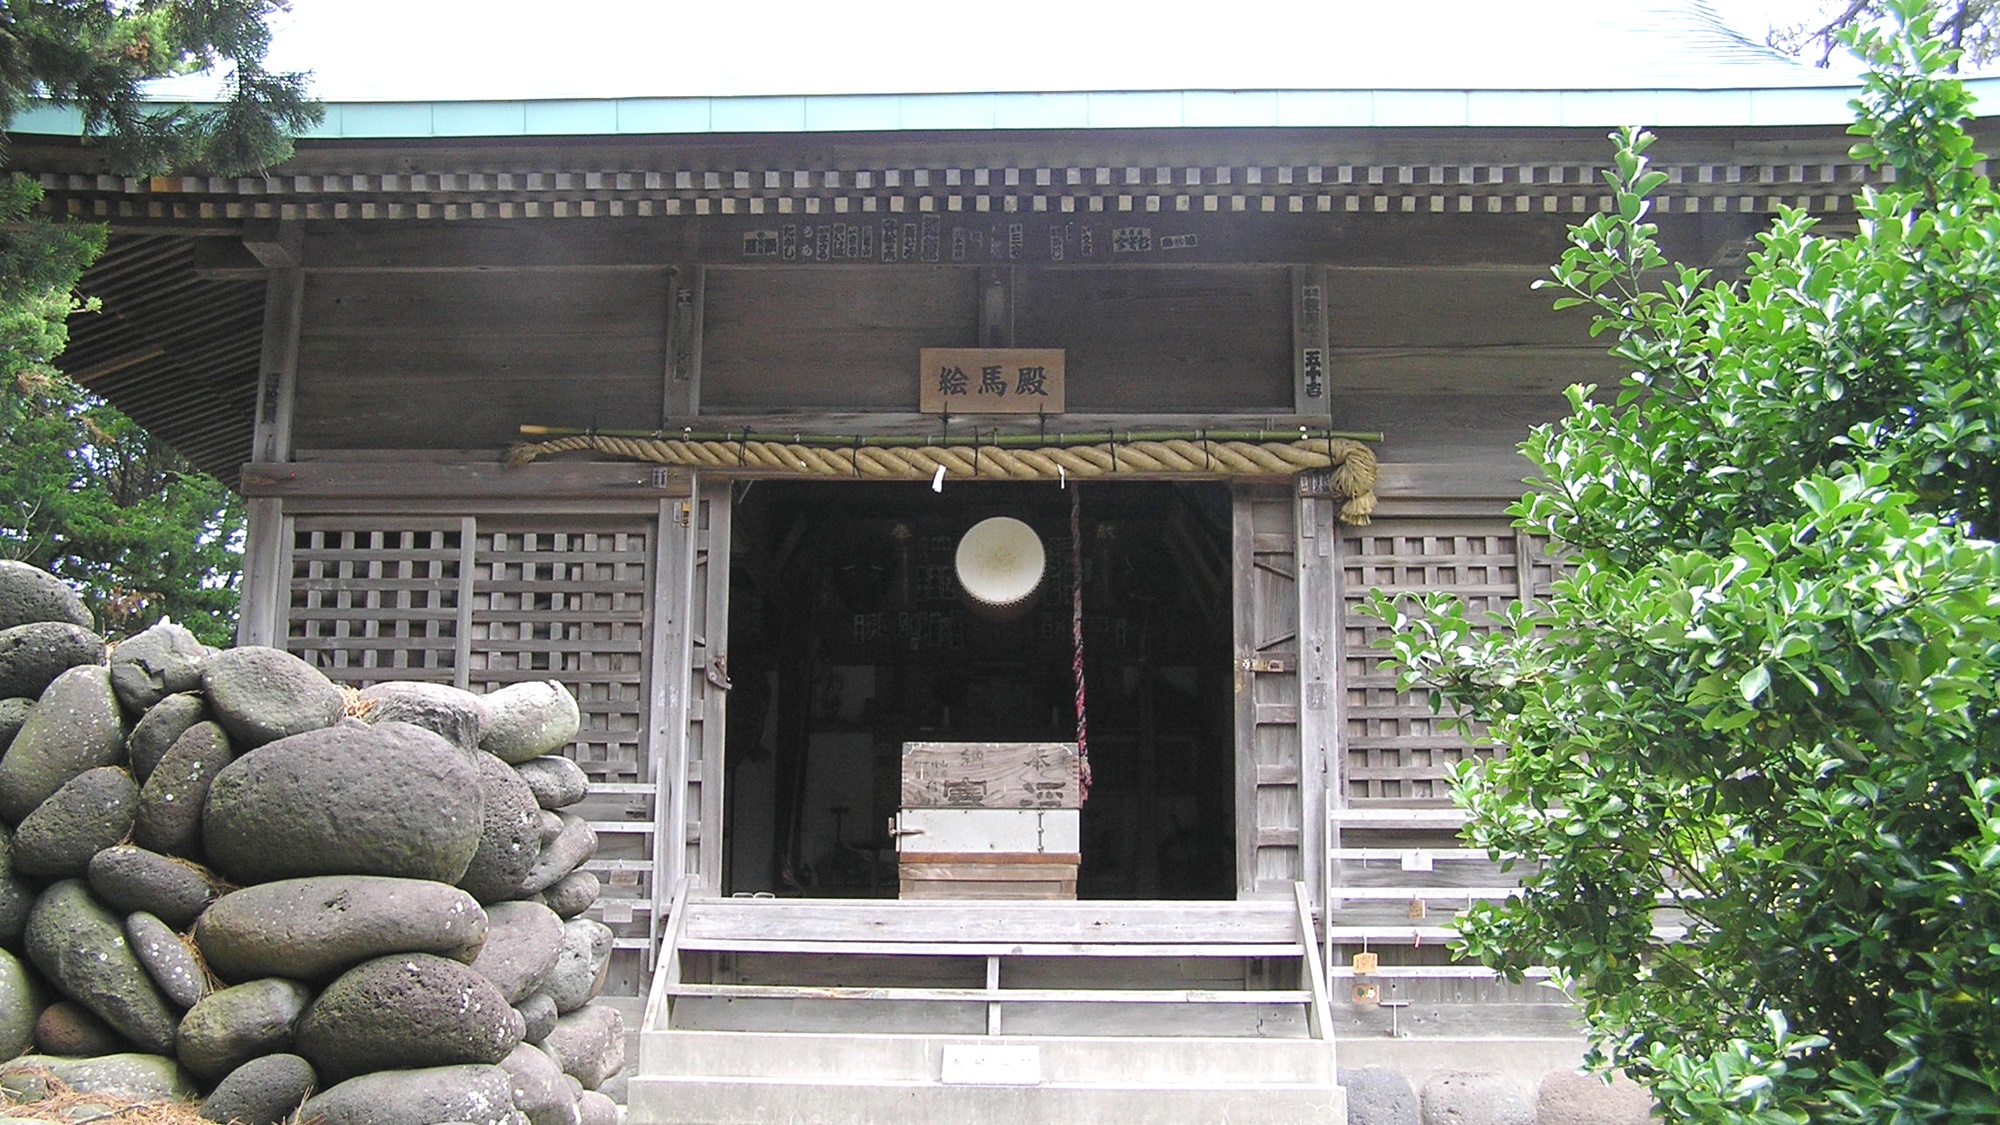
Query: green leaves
[[1763, 705], [94, 56]]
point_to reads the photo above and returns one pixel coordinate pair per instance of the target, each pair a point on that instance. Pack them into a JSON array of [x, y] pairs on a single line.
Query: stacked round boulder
[[224, 878]]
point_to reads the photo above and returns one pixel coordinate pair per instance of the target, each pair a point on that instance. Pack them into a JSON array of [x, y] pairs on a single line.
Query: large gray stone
[[572, 894], [73, 1031], [570, 850], [478, 1095], [164, 660], [33, 655], [13, 712], [1377, 1095], [316, 928], [170, 804], [556, 781], [1460, 1097], [524, 940], [263, 694], [596, 1109], [17, 898], [91, 812], [411, 1009], [76, 725], [29, 593], [158, 729], [147, 1077], [81, 948], [538, 1016], [263, 1091], [589, 1044], [581, 965], [231, 1026], [510, 832], [454, 714], [127, 878], [18, 1006], [1565, 1097], [167, 959], [528, 720], [539, 1089], [390, 799]]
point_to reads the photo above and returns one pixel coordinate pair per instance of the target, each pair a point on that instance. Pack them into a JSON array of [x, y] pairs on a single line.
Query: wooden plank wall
[[489, 351], [799, 338], [1164, 339]]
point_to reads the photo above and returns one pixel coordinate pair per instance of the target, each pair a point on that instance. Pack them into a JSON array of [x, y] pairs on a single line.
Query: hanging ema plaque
[[991, 381]]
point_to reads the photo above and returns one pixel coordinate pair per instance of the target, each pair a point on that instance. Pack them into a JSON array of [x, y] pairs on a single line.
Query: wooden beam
[[476, 245], [278, 364], [231, 259], [275, 244], [397, 479]]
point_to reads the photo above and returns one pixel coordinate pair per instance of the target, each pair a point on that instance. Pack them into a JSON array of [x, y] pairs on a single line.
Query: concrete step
[[1066, 1061], [662, 1100]]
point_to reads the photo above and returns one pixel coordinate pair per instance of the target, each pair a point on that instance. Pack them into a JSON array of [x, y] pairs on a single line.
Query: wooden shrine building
[[1266, 864]]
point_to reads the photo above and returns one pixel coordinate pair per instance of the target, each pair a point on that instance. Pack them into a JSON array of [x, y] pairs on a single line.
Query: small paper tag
[[1366, 963], [992, 1066]]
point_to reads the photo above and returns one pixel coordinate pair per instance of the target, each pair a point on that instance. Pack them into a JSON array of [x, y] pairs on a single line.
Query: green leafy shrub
[[1758, 715]]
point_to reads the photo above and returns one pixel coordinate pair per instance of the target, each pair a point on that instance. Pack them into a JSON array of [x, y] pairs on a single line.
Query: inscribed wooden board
[[990, 380], [990, 775]]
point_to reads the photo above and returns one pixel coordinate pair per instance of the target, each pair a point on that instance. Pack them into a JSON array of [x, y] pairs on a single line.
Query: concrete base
[[1418, 1060], [659, 1100], [747, 1078]]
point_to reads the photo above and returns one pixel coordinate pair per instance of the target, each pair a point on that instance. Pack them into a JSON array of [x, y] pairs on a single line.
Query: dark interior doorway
[[848, 637]]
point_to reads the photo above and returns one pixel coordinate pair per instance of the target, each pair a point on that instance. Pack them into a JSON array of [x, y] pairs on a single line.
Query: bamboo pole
[[999, 441]]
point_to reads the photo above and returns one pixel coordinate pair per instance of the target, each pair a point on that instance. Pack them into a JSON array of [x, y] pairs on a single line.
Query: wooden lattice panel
[[570, 606], [372, 603], [1396, 749]]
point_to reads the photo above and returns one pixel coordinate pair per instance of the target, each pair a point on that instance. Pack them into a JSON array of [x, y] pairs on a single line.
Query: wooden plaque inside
[[990, 775]]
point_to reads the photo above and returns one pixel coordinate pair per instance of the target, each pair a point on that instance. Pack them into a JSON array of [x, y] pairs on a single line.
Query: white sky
[[492, 49]]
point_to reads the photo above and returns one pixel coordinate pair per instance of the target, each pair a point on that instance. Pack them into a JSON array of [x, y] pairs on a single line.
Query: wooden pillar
[[280, 246], [686, 286], [1319, 680], [1312, 390]]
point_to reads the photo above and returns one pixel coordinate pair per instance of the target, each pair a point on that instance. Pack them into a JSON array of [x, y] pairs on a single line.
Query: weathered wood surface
[[1164, 340], [990, 775], [1095, 923], [392, 478], [805, 339], [413, 360], [1265, 596]]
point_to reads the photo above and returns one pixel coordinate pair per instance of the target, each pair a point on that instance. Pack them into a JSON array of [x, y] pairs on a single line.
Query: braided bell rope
[[1351, 462]]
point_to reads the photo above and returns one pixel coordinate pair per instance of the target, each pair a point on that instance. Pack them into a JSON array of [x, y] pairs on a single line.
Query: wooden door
[[1274, 834], [697, 538]]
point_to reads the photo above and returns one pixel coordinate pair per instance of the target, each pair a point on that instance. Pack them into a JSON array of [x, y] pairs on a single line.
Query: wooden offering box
[[988, 820]]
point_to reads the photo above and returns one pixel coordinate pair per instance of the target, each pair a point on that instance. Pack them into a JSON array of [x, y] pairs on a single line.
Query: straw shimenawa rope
[[1351, 462]]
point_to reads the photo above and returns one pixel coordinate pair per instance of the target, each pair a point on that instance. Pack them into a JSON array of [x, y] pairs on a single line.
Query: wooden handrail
[[658, 1007], [1319, 1017]]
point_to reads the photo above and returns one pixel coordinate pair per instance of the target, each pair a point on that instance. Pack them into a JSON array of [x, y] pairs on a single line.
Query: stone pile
[[224, 878]]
